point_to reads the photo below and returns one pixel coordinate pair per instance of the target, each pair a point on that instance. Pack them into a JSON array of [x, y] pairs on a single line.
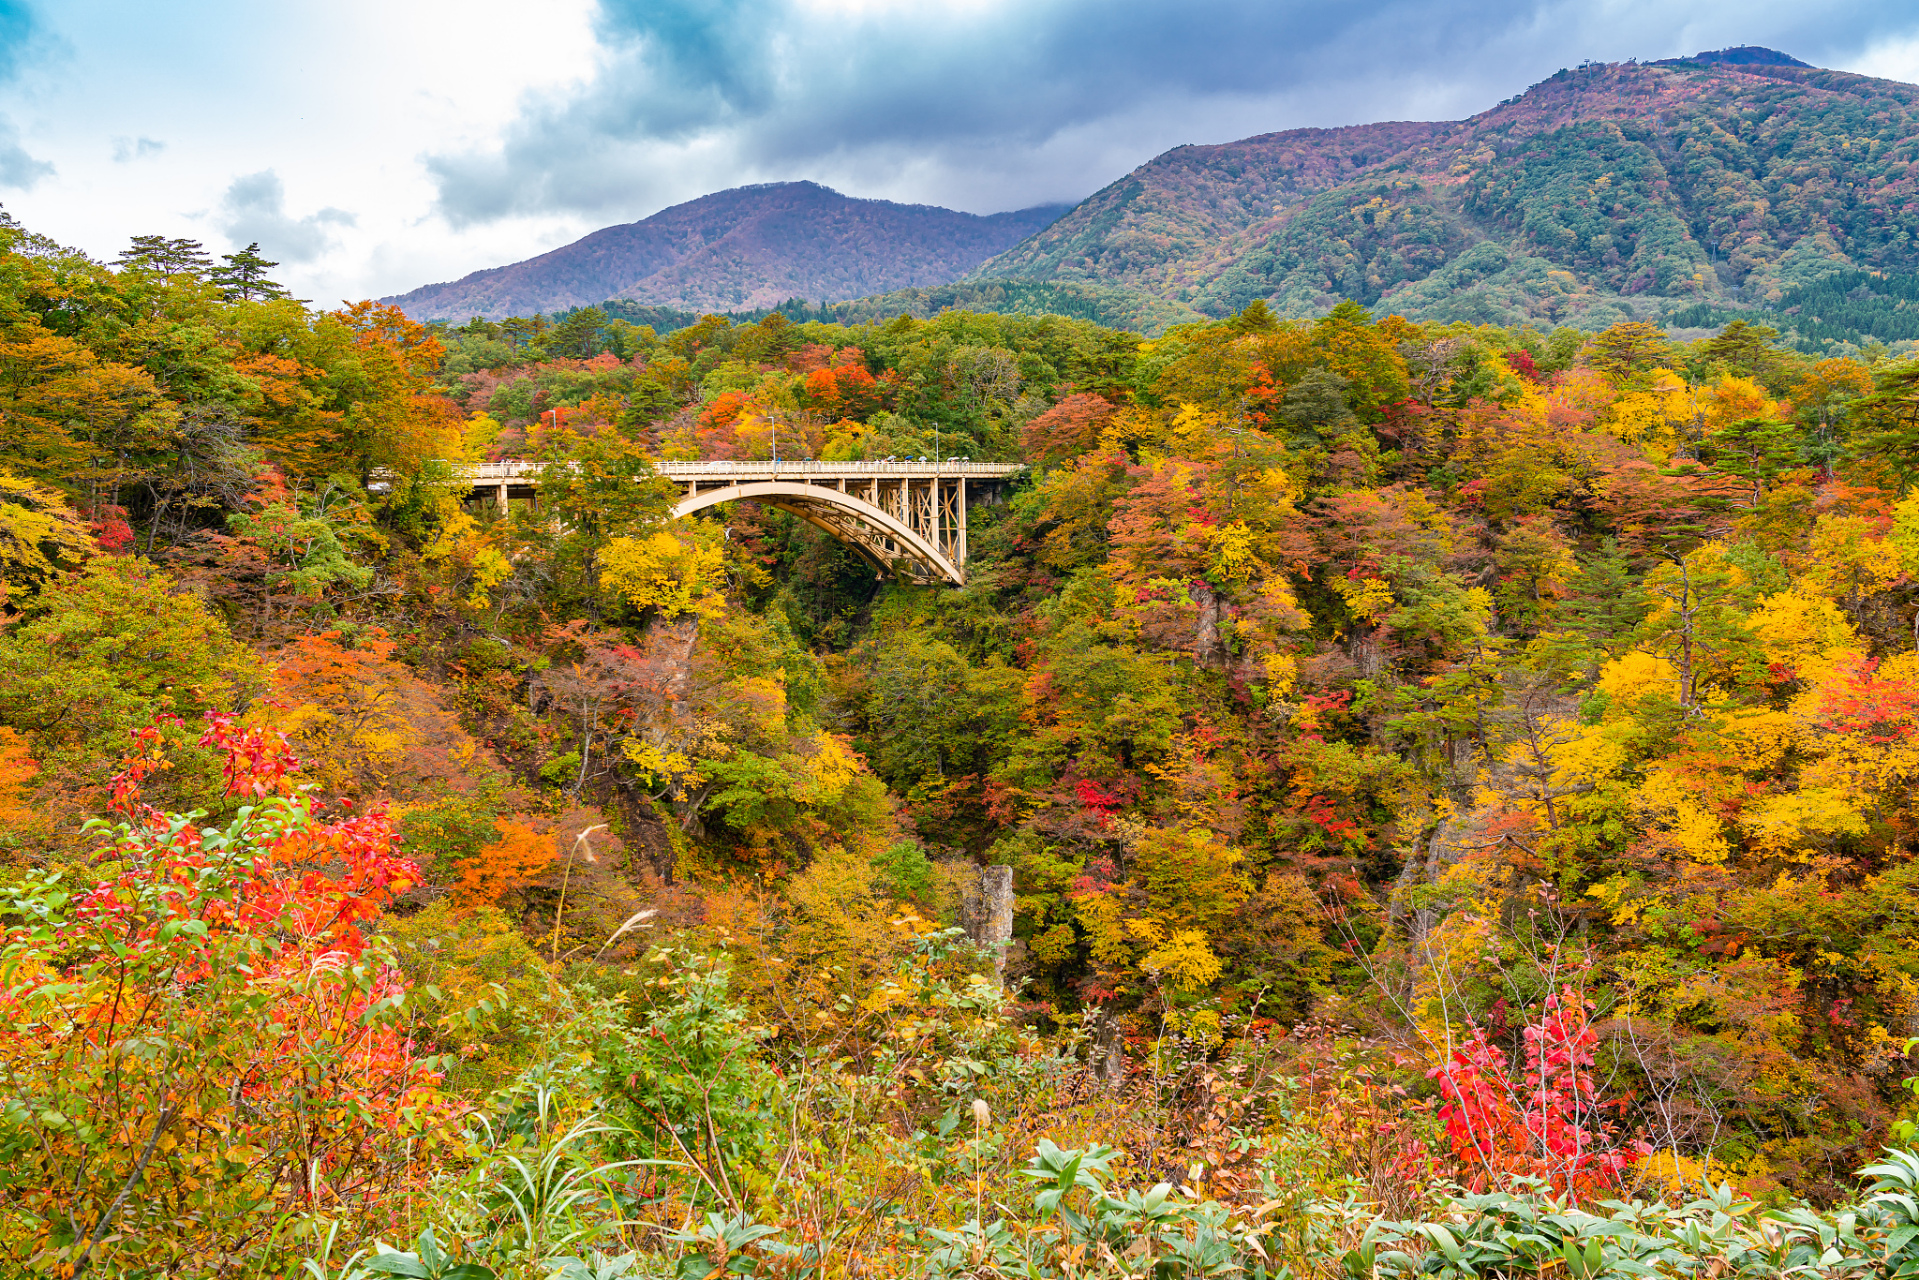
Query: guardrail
[[496, 471], [946, 466]]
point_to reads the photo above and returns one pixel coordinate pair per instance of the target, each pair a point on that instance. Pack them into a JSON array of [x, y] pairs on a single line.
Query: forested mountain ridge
[[738, 250], [1609, 192], [1688, 190], [1166, 226]]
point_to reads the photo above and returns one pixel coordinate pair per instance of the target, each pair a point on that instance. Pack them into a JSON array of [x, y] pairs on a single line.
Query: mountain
[[741, 249], [1612, 191]]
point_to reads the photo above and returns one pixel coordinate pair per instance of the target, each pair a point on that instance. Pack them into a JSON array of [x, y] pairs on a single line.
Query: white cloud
[[17, 168], [1892, 59], [337, 101], [127, 149]]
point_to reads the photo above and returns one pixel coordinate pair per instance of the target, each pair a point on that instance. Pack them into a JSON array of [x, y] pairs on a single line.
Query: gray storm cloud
[[1040, 101], [254, 211]]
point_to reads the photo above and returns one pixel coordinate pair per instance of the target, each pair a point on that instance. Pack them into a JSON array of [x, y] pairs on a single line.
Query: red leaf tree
[[207, 1037]]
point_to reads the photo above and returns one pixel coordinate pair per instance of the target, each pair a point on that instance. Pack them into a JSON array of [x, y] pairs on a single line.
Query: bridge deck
[[487, 474]]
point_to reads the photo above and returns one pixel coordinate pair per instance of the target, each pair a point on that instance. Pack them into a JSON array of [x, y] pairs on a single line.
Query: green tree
[[1756, 450], [303, 541], [1629, 351], [1697, 620], [524, 331], [244, 277], [579, 336], [924, 719], [1744, 349], [1316, 408], [1605, 603], [1885, 424], [1364, 352], [166, 257], [601, 485]]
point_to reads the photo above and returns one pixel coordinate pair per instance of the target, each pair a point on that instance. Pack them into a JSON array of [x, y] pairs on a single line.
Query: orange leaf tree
[[509, 862]]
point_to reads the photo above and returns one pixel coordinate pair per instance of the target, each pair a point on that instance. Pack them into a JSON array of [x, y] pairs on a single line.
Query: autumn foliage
[[1420, 755], [215, 1020], [1549, 1121], [520, 854]]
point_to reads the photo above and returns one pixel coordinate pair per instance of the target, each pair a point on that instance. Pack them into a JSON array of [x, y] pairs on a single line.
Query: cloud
[[125, 149], [254, 211], [18, 34], [17, 168], [1896, 58], [1001, 102]]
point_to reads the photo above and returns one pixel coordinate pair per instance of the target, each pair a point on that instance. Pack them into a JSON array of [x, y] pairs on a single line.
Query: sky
[[372, 146]]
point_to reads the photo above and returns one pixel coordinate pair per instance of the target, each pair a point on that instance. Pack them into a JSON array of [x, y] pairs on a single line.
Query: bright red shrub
[[1549, 1122]]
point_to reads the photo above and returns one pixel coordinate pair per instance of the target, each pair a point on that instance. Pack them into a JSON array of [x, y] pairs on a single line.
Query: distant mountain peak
[[739, 249], [1744, 55]]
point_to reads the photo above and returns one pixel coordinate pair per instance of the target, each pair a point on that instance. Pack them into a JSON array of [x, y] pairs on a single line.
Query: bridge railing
[[946, 466], [483, 472]]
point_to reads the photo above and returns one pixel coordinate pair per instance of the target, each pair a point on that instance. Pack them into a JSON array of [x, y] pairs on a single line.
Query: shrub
[[205, 1038]]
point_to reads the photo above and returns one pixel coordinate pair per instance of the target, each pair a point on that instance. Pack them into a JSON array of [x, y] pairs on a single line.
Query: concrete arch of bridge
[[790, 496]]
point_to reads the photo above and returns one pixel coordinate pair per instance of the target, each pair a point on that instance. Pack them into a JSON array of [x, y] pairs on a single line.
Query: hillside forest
[[1457, 783], [749, 247], [1690, 192]]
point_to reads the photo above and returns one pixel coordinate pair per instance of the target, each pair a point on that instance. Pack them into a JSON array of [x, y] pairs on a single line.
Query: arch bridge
[[907, 519]]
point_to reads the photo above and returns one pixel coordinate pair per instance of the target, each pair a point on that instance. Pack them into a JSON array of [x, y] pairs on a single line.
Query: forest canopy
[[1455, 781]]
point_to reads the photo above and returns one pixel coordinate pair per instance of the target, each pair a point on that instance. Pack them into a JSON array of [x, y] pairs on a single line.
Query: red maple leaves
[[1549, 1122]]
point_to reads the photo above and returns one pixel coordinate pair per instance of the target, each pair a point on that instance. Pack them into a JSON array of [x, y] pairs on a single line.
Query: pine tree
[[578, 335], [168, 257], [244, 278], [1316, 408], [1744, 349]]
